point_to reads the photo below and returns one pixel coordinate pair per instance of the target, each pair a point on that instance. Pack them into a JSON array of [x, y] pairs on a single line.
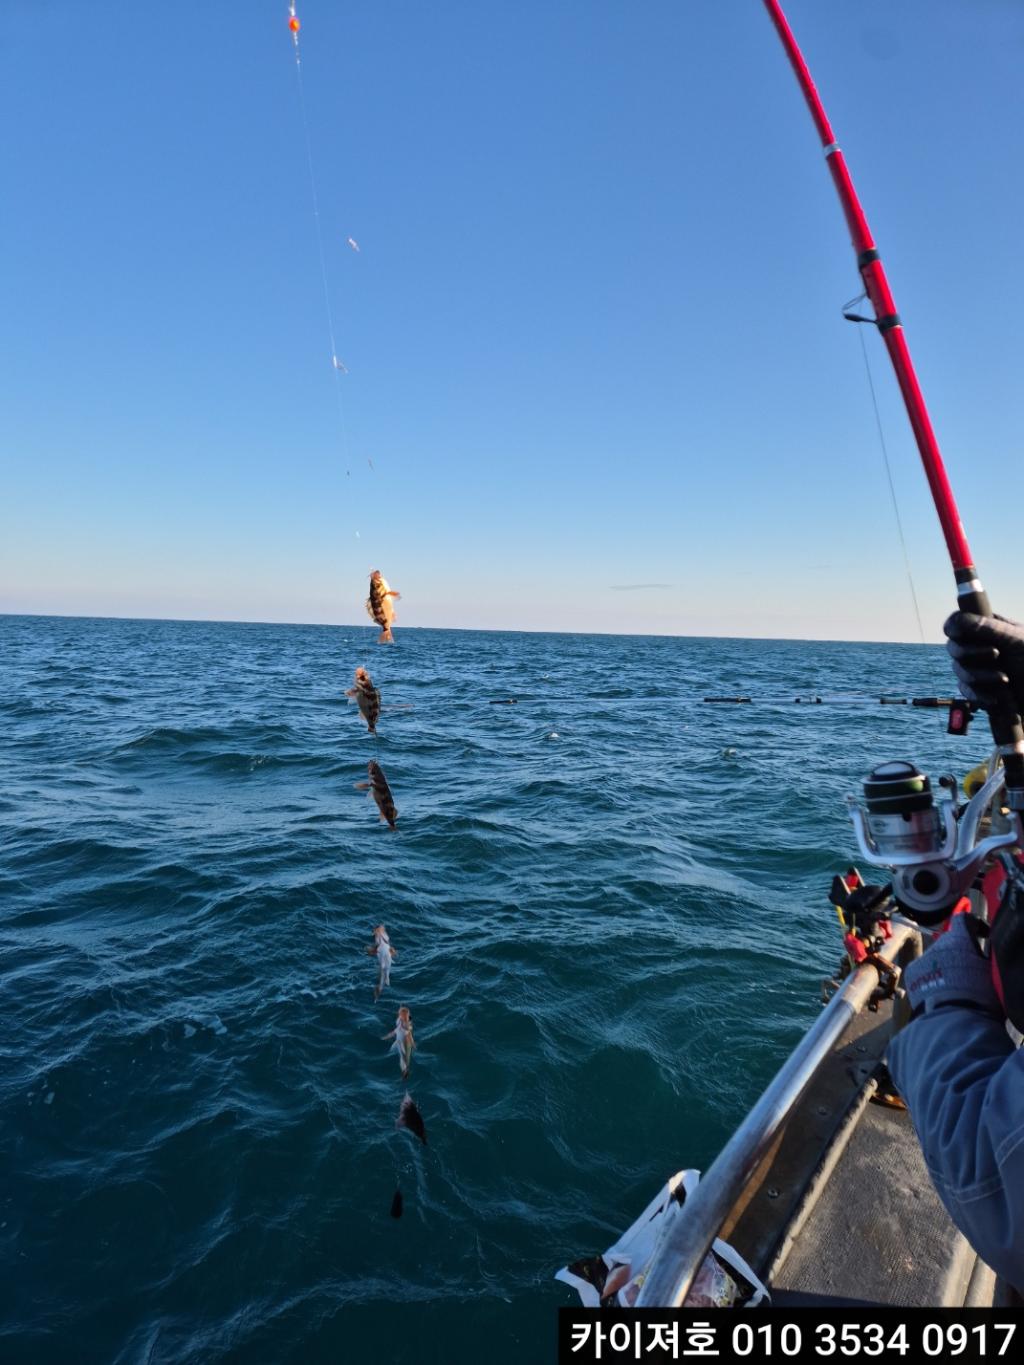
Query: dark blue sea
[[609, 905]]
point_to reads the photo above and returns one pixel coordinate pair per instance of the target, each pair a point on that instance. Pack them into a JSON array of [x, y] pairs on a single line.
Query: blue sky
[[593, 331]]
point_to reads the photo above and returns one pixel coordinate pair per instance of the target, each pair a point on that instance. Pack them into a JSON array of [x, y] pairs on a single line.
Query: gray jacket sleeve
[[963, 1081]]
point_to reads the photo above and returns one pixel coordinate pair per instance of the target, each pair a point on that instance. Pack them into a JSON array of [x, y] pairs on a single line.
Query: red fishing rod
[[971, 596]]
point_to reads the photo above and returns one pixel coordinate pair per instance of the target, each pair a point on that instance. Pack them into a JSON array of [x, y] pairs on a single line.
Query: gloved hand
[[988, 659], [952, 971]]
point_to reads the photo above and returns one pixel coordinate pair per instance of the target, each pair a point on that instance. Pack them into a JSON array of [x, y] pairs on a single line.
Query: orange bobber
[[294, 24]]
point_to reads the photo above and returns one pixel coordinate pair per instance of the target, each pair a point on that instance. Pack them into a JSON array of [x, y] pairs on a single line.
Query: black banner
[[890, 1336]]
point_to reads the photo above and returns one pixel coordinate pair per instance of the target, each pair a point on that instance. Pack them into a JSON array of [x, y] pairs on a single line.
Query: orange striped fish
[[380, 791], [367, 699]]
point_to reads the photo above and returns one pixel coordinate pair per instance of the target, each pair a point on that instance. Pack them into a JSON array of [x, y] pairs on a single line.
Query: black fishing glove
[[988, 659]]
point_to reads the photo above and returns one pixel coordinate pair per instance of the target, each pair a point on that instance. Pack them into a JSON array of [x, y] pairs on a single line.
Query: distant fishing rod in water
[[956, 705], [842, 699]]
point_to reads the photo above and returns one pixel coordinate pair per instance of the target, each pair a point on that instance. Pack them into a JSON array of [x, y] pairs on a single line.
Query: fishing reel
[[930, 847]]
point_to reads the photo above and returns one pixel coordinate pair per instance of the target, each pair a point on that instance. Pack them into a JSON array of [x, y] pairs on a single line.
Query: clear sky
[[593, 330]]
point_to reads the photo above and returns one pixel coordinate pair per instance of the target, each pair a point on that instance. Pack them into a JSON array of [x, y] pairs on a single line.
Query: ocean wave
[[589, 893]]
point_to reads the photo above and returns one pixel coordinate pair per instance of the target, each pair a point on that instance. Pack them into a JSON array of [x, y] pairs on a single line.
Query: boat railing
[[686, 1240]]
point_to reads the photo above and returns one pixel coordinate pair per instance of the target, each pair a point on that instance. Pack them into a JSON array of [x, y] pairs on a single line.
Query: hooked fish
[[396, 1205], [367, 699], [382, 950], [380, 606], [410, 1117], [380, 791], [403, 1040]]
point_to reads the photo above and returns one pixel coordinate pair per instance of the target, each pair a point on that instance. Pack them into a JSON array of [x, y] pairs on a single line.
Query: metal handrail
[[686, 1240]]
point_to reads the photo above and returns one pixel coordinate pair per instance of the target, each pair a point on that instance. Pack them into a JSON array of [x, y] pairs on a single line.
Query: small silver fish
[[404, 1042], [382, 950]]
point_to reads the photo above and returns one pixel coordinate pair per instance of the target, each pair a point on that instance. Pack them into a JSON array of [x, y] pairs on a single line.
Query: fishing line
[[892, 486], [336, 364]]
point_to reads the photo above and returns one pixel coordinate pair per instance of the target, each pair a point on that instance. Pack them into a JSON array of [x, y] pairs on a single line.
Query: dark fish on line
[[381, 792], [396, 1205], [410, 1117], [367, 699]]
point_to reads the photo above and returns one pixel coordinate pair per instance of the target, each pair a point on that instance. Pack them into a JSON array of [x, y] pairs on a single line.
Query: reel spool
[[901, 819], [901, 828], [933, 858]]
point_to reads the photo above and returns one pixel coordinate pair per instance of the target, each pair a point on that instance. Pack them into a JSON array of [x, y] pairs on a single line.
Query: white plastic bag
[[724, 1280]]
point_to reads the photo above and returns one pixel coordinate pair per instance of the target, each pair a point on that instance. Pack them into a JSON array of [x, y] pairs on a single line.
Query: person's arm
[[963, 1081], [954, 1063]]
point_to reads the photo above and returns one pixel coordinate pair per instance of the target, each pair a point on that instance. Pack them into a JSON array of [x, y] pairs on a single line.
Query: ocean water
[[609, 905]]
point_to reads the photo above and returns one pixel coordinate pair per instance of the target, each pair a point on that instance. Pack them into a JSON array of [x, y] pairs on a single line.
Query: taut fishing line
[[337, 365], [892, 486]]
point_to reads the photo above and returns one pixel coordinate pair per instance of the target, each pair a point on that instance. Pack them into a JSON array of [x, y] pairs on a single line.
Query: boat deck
[[842, 1210]]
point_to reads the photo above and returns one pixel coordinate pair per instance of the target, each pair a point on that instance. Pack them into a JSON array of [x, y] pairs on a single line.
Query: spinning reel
[[930, 847]]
